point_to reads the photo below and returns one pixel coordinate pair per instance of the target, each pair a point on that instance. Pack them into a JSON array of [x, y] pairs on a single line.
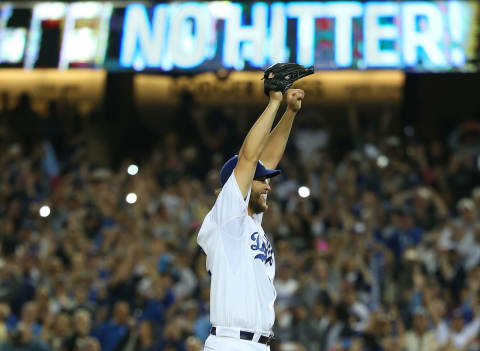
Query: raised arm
[[277, 140], [254, 144]]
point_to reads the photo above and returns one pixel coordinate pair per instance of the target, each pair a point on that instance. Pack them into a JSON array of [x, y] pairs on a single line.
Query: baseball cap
[[260, 171]]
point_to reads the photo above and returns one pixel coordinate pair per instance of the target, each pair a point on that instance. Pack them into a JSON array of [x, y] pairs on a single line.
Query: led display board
[[206, 36]]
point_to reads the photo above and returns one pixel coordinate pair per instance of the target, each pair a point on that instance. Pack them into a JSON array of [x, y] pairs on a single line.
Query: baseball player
[[240, 258]]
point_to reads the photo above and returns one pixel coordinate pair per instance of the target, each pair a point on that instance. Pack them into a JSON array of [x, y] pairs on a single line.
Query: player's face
[[258, 197]]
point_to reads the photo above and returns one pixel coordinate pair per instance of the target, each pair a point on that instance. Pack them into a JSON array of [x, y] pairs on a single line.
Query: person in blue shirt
[[113, 334], [405, 235]]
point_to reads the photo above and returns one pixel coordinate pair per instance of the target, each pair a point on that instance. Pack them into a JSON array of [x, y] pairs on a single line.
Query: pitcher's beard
[[256, 204]]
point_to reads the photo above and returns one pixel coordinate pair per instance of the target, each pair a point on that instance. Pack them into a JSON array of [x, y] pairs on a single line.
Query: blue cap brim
[[267, 173], [260, 171]]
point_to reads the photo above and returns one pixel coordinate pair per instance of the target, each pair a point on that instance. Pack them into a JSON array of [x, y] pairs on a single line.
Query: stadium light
[[132, 169], [44, 211], [304, 191], [131, 198]]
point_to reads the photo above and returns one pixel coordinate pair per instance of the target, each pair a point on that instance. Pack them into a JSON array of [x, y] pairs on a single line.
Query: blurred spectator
[[88, 344], [285, 285], [4, 313], [81, 329], [193, 344], [61, 333], [29, 318], [114, 333], [459, 334], [144, 339], [22, 338], [420, 337]]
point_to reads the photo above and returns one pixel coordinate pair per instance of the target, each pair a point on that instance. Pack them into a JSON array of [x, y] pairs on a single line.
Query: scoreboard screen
[[432, 36]]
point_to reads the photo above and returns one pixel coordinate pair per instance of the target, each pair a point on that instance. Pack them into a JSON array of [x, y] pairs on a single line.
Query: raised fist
[[294, 99]]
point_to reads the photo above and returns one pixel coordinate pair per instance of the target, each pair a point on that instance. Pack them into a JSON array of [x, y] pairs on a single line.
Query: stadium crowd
[[384, 253]]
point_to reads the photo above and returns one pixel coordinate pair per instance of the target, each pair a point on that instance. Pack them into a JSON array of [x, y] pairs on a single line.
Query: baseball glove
[[280, 76]]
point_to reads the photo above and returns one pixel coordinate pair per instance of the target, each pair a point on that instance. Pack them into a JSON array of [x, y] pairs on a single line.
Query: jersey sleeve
[[206, 235], [230, 202]]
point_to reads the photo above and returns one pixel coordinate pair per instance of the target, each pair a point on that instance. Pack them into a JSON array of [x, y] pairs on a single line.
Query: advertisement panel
[[206, 36], [246, 88], [83, 88]]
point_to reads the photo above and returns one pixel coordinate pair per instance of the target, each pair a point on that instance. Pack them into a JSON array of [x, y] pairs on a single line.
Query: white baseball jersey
[[241, 263]]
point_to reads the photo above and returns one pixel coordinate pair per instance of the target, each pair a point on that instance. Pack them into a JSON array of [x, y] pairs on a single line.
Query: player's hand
[[276, 96], [294, 99]]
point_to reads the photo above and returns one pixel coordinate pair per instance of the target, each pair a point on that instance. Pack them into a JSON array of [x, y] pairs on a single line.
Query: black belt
[[245, 335]]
